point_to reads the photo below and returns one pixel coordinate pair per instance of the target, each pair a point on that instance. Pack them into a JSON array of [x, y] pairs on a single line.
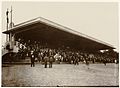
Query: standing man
[[45, 60], [77, 58], [105, 60], [39, 57], [32, 59], [50, 61], [76, 61], [35, 55]]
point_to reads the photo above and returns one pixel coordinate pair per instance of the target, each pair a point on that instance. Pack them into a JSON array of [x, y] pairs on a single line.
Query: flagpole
[[7, 24], [11, 23]]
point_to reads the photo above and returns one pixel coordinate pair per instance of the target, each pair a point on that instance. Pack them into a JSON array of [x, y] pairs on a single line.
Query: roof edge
[[56, 25]]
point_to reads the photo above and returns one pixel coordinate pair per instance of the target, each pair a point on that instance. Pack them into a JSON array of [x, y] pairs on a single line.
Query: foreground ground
[[61, 75]]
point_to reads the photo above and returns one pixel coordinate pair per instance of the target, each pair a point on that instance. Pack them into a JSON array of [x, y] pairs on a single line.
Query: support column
[[12, 40]]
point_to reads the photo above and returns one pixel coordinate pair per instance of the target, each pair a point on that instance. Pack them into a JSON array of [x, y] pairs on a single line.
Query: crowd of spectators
[[60, 55]]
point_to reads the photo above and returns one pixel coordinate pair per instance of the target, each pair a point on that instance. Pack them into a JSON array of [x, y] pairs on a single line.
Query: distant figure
[[76, 61], [115, 61], [87, 63], [86, 60], [46, 60], [32, 59], [50, 61], [104, 62], [39, 57], [35, 55], [57, 57], [73, 58]]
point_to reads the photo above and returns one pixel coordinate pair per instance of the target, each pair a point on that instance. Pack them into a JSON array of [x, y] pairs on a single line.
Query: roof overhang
[[43, 29]]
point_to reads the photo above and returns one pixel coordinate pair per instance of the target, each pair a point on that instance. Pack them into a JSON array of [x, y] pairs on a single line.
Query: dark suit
[[32, 60], [45, 61], [50, 61]]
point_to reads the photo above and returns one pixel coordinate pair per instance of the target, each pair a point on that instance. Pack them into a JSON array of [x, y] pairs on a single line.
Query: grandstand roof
[[43, 29]]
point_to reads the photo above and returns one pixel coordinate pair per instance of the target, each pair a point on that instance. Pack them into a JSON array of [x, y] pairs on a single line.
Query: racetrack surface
[[60, 75]]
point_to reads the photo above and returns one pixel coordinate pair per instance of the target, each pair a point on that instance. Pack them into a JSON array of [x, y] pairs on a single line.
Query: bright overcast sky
[[96, 19]]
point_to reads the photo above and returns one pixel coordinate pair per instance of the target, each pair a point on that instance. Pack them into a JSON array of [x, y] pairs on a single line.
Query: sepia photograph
[[59, 44]]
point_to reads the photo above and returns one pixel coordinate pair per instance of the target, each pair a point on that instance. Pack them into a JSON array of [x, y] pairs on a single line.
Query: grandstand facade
[[42, 35]]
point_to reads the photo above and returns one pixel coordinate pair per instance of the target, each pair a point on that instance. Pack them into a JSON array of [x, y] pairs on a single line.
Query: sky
[[96, 19]]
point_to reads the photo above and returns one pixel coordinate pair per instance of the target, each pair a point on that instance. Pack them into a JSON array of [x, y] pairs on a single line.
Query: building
[[43, 30]]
